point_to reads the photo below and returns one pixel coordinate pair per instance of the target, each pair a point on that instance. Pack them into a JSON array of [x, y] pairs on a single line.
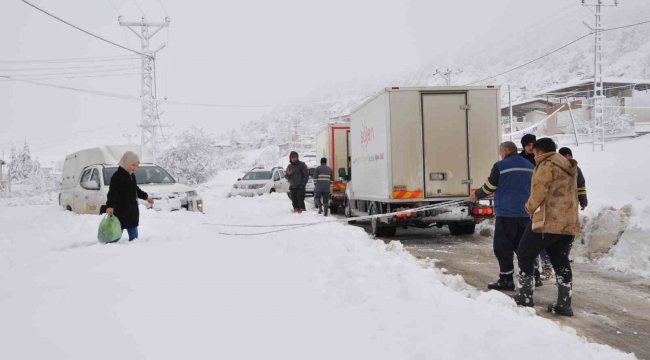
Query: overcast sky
[[236, 52]]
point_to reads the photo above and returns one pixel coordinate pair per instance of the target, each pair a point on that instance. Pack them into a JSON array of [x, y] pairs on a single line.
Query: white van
[[87, 176]]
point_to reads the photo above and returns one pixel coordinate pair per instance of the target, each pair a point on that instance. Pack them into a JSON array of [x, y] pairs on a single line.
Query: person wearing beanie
[[324, 177], [298, 176], [582, 187], [527, 143]]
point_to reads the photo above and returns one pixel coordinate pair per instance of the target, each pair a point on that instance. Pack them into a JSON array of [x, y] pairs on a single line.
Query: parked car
[[261, 181], [309, 188], [87, 178]]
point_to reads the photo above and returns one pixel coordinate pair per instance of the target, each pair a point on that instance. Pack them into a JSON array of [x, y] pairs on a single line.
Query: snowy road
[[605, 302], [185, 291]]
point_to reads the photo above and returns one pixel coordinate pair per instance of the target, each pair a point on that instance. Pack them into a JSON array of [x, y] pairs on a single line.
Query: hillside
[[627, 55]]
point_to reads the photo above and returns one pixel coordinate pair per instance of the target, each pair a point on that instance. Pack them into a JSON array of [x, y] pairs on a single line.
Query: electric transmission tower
[[150, 116], [447, 74], [598, 130]]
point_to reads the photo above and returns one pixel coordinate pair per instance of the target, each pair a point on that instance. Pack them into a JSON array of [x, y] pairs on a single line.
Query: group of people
[[298, 175], [537, 194]]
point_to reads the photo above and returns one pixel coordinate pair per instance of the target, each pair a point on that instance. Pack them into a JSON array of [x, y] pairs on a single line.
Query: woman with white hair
[[123, 195]]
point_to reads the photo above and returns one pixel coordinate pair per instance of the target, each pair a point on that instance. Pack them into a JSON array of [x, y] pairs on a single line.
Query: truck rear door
[[446, 160]]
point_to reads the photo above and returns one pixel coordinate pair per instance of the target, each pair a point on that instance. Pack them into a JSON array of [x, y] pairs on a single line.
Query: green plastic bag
[[110, 229]]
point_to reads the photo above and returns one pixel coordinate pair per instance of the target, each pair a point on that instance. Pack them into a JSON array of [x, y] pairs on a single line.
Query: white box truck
[[413, 147], [333, 143], [87, 175]]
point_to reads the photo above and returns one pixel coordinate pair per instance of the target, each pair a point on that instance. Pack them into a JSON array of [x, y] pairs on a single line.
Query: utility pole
[[447, 74], [129, 136], [510, 117], [150, 115], [598, 131]]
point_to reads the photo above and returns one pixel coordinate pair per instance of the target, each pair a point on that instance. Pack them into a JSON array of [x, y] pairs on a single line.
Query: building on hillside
[[524, 113], [222, 145], [623, 97]]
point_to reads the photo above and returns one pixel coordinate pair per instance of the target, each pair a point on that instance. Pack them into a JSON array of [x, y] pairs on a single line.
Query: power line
[[68, 67], [18, 76], [84, 31], [532, 61], [556, 50], [625, 26], [113, 5], [163, 7], [139, 8], [183, 103], [72, 60], [86, 76]]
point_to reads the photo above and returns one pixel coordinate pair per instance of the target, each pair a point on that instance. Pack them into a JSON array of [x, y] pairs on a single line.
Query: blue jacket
[[512, 177]]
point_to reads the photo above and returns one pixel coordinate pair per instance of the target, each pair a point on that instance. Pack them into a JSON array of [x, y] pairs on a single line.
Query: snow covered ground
[[183, 290], [617, 177]]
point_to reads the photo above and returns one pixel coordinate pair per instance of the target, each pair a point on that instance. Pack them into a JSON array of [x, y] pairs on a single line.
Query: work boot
[[320, 211], [502, 284], [525, 296], [563, 304]]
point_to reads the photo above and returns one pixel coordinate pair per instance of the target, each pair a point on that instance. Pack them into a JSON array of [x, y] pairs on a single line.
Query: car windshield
[[311, 172], [147, 174], [258, 175]]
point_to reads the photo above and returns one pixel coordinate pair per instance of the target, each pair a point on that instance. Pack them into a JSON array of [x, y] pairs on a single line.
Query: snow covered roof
[[585, 85], [528, 101]]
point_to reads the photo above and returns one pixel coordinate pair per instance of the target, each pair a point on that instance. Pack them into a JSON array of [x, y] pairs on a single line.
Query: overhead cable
[[85, 31]]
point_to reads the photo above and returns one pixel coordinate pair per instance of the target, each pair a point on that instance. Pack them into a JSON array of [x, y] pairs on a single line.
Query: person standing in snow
[[123, 195], [527, 142], [324, 177], [553, 206], [298, 176], [582, 187], [512, 177]]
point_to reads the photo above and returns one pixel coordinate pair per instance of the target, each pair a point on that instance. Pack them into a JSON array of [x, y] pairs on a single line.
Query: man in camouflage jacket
[[553, 206]]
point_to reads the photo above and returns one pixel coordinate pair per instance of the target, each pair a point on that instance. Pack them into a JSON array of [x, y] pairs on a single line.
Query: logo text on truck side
[[367, 135]]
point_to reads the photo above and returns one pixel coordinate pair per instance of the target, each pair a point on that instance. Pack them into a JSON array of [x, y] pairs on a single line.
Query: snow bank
[[186, 290], [619, 178]]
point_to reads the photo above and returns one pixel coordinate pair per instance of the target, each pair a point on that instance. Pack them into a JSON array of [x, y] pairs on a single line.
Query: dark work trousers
[[557, 247], [298, 198], [321, 199], [507, 234]]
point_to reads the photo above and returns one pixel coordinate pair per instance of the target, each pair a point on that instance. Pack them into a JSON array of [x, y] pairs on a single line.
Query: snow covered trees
[[21, 165], [194, 158]]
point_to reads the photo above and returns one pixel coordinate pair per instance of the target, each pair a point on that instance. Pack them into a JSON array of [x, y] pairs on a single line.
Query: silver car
[[309, 188]]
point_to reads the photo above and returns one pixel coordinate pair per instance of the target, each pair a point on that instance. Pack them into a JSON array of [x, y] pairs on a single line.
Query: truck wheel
[[334, 208], [378, 230], [391, 231], [462, 228], [272, 191], [348, 211]]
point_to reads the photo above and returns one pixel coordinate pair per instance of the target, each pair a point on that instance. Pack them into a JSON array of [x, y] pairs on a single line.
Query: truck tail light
[[406, 214], [483, 211]]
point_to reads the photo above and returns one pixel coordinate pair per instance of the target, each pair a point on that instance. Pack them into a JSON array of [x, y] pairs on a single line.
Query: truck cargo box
[[424, 143]]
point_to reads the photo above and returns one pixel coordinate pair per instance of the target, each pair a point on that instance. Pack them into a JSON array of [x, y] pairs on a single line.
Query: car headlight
[[234, 186], [262, 186]]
